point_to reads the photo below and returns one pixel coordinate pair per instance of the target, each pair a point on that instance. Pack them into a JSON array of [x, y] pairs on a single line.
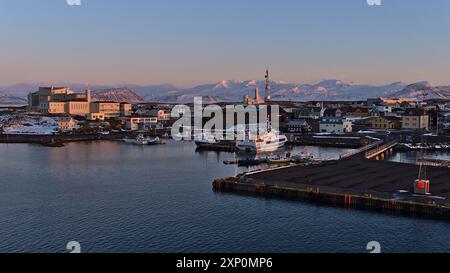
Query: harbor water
[[114, 197]]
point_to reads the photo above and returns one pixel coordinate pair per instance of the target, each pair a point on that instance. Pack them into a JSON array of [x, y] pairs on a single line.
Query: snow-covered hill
[[6, 100], [117, 95], [421, 89]]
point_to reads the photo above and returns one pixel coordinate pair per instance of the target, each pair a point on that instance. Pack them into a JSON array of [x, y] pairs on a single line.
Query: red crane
[[422, 185]]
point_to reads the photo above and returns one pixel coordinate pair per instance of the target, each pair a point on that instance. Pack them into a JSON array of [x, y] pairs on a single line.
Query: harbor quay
[[354, 182]]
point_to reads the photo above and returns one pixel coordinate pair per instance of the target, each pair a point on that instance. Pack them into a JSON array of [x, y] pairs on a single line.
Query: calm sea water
[[113, 197]]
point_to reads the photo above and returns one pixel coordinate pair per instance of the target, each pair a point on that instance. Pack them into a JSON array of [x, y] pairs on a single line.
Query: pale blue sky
[[187, 42]]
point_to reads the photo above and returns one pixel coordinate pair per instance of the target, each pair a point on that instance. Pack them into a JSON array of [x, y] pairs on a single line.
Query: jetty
[[360, 179]]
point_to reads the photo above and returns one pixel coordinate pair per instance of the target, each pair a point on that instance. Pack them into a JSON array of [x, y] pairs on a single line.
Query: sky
[[190, 42]]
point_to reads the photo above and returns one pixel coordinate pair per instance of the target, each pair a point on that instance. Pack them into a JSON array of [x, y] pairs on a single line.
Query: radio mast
[[267, 92]]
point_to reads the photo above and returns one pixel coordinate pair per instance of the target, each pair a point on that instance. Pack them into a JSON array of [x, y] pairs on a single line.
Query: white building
[[66, 125], [140, 123], [335, 125]]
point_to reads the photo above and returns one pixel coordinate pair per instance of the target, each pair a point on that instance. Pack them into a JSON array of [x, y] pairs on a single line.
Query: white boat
[[153, 141], [139, 140], [267, 142]]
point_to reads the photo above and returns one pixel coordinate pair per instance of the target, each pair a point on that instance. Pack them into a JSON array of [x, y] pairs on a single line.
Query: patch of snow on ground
[[31, 126]]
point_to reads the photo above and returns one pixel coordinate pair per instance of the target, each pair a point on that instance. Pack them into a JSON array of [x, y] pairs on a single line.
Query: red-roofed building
[[357, 112]]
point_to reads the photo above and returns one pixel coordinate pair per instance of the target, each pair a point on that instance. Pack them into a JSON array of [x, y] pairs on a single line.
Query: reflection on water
[[113, 197], [413, 156]]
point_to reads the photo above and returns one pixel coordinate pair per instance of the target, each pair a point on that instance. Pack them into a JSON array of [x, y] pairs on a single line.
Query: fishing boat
[[153, 141], [53, 143], [207, 139], [303, 157], [266, 142], [249, 162], [139, 140]]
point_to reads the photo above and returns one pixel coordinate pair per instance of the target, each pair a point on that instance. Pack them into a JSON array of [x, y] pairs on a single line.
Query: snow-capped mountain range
[[233, 91], [7, 99]]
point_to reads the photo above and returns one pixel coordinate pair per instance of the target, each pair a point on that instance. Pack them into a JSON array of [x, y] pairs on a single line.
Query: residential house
[[142, 123], [387, 122], [415, 119], [357, 112], [335, 125], [308, 113], [332, 112], [162, 114], [95, 116], [66, 125], [298, 126]]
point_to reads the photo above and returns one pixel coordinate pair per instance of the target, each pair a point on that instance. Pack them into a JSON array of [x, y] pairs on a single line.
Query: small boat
[[231, 162], [153, 141], [139, 140], [248, 162], [53, 144], [207, 139], [279, 161], [303, 157]]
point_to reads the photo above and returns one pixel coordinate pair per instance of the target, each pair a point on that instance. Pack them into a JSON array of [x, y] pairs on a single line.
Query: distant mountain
[[117, 95], [6, 100], [234, 91], [421, 89]]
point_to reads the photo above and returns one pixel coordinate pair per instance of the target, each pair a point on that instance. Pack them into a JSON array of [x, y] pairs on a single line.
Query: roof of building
[[106, 102], [331, 111], [391, 118], [414, 112], [358, 110], [297, 122], [52, 87]]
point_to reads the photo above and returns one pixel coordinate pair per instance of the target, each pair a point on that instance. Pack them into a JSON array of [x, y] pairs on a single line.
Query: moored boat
[[268, 142], [139, 140]]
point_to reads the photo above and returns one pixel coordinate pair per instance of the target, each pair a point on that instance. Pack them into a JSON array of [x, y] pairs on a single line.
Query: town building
[[63, 100], [54, 100], [308, 112], [110, 109], [298, 126], [415, 119], [258, 100], [66, 125], [162, 114], [95, 116], [142, 123], [387, 122], [357, 112], [126, 109], [335, 125], [332, 112]]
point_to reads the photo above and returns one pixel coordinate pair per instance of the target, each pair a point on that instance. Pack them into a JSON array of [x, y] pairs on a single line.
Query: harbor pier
[[352, 182]]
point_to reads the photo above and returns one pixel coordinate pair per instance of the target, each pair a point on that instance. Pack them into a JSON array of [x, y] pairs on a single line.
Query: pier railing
[[361, 150], [381, 149]]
